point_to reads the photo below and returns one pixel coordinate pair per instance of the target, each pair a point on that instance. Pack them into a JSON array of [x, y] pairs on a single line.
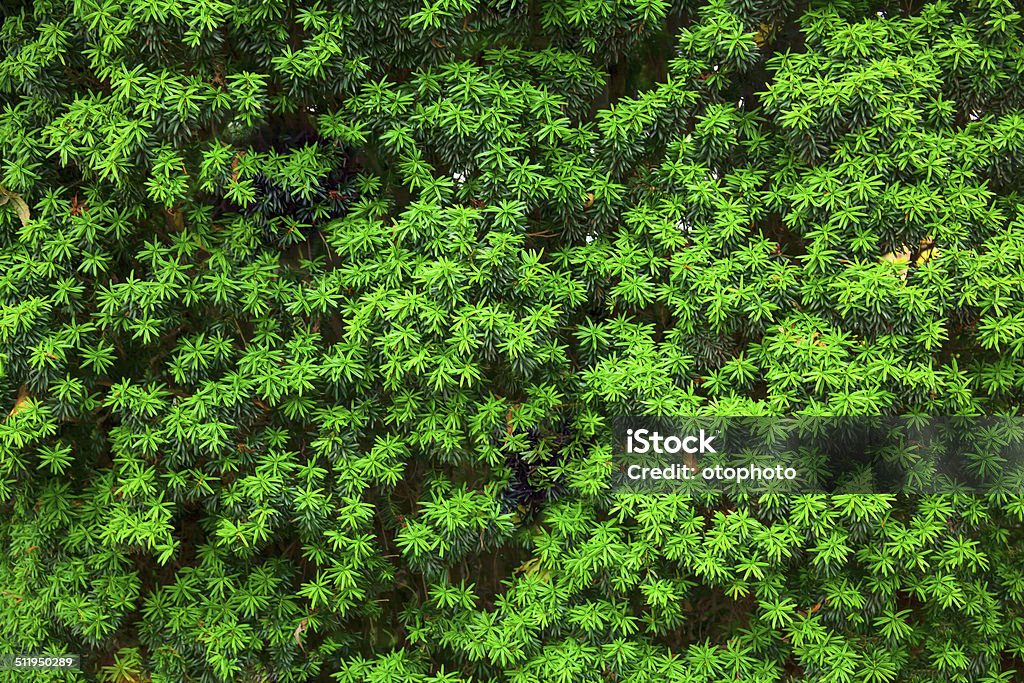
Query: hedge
[[314, 318]]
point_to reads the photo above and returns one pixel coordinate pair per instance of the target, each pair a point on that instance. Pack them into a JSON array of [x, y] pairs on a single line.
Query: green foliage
[[314, 317]]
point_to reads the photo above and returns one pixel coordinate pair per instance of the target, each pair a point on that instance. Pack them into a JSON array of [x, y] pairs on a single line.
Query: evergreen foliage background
[[314, 315]]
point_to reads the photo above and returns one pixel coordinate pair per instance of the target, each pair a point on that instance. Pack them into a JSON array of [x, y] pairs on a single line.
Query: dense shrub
[[314, 316]]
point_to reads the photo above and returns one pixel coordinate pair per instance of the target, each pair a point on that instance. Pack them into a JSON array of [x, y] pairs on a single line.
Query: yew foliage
[[313, 317]]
